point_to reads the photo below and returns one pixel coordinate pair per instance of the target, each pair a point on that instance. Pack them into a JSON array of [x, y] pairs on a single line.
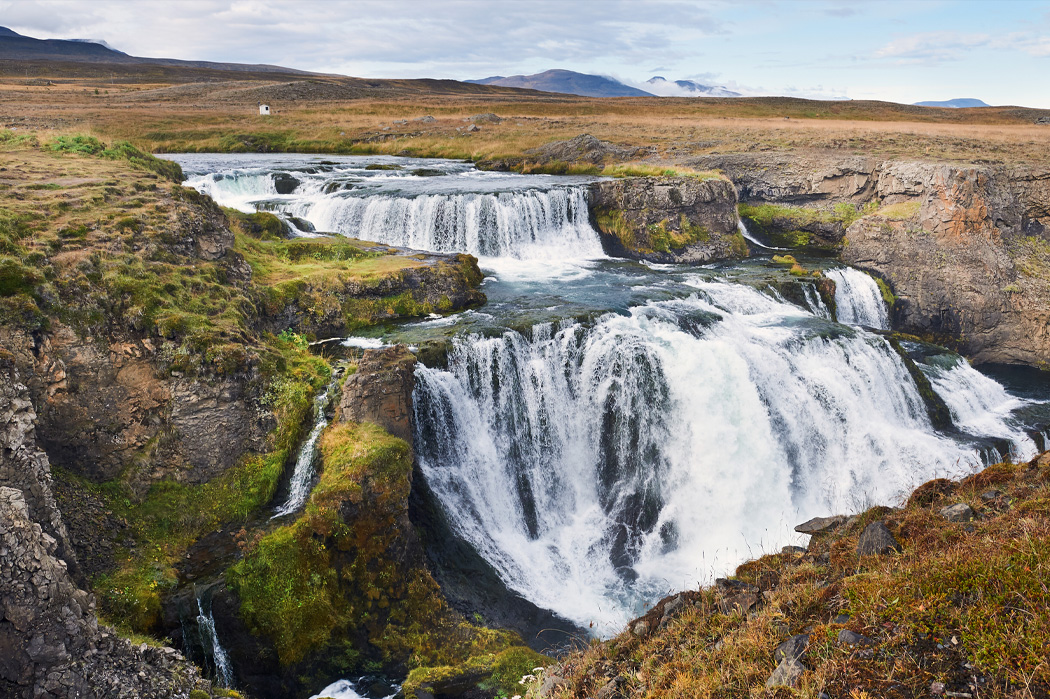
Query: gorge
[[639, 401]]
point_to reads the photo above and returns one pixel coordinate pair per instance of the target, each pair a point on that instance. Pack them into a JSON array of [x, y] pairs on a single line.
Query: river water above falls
[[603, 432]]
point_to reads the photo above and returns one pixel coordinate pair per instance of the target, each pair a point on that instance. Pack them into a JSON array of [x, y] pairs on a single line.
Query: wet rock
[[285, 183], [786, 674], [794, 648], [960, 512], [875, 540], [821, 525], [852, 638]]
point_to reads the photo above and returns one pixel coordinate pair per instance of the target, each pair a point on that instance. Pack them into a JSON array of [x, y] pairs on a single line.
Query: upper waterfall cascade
[[498, 216]]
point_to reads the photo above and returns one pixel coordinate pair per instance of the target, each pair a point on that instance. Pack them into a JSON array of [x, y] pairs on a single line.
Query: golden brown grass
[[210, 116]]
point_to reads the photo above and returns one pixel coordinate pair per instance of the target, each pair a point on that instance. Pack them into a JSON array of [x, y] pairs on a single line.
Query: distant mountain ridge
[[566, 82], [688, 88], [958, 103], [17, 47]]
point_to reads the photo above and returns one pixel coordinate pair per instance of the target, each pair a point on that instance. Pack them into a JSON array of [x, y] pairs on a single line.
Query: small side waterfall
[[858, 299], [742, 227], [979, 405], [210, 640], [303, 474]]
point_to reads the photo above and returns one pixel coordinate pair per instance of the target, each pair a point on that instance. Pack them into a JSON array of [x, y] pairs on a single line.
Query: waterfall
[[210, 640], [742, 227], [303, 474], [814, 302], [549, 224], [858, 299], [979, 405], [598, 467]]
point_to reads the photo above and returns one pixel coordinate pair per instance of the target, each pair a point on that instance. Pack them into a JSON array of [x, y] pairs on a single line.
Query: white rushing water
[[742, 227], [858, 299], [532, 224], [303, 473], [599, 467], [460, 212], [210, 639], [980, 405]]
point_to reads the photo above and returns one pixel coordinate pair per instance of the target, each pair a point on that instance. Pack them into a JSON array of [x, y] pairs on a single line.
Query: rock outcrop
[[24, 466], [380, 391], [961, 261], [50, 642], [668, 219]]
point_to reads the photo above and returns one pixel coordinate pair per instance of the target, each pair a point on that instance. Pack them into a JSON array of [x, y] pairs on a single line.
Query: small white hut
[[264, 110]]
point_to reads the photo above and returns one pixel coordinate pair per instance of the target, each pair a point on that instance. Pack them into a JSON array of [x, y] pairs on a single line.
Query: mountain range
[[17, 47], [958, 103]]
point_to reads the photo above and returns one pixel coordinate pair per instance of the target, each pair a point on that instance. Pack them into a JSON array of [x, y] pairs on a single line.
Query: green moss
[[261, 224], [940, 415], [612, 222], [510, 666], [335, 572], [172, 515], [887, 293], [785, 260]]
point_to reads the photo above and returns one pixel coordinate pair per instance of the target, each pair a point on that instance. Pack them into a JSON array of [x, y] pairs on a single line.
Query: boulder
[[875, 540], [786, 674], [821, 525], [584, 148], [960, 512], [487, 118], [852, 638], [285, 183], [793, 648]]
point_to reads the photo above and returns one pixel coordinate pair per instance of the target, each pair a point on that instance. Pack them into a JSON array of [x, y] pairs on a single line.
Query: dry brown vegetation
[[168, 109]]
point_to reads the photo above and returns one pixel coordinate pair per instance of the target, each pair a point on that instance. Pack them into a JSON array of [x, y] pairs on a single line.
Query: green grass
[[651, 170], [901, 211]]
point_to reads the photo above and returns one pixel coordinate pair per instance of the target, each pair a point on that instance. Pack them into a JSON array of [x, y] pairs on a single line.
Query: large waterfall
[[859, 299], [596, 467]]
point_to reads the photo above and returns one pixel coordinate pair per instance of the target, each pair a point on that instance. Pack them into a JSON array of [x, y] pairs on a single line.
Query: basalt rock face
[[105, 406], [668, 219], [965, 267], [380, 391], [967, 250], [795, 178], [50, 642], [24, 466]]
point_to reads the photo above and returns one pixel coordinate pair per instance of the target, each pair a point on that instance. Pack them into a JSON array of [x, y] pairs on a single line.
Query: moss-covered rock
[[668, 219], [347, 578]]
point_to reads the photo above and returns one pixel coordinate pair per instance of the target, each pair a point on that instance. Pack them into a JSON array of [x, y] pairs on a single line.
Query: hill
[[568, 82], [17, 47], [958, 103]]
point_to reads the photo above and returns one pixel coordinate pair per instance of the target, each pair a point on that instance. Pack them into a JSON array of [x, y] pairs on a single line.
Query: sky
[[899, 51]]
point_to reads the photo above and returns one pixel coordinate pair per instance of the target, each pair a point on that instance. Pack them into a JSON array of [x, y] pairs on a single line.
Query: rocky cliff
[[965, 249], [668, 219]]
